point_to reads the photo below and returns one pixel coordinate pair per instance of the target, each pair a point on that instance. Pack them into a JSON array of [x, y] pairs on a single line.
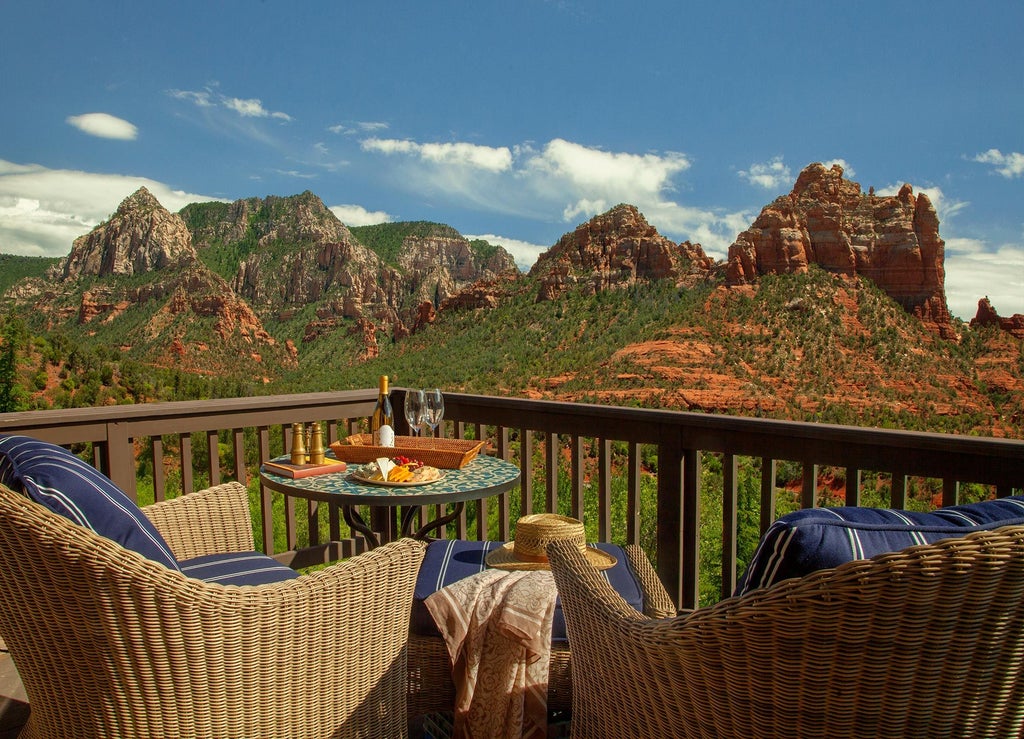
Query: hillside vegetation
[[808, 347]]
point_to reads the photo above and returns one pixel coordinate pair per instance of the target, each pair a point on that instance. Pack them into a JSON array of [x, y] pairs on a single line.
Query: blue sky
[[518, 120]]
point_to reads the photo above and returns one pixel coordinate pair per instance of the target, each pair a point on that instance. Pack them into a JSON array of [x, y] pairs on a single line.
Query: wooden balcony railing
[[600, 456]]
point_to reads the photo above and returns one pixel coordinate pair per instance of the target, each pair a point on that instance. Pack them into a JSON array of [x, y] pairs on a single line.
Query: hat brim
[[504, 558]]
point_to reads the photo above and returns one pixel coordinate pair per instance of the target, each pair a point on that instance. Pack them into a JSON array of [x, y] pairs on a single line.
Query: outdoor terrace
[[633, 475]]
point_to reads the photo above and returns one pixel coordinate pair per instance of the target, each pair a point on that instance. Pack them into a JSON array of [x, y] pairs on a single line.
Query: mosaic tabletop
[[482, 477]]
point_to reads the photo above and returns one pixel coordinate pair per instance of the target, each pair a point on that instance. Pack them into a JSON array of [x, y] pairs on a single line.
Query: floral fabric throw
[[497, 626]]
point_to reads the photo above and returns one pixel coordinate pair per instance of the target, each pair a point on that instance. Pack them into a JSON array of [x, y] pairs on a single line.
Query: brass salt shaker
[[298, 444], [316, 444]]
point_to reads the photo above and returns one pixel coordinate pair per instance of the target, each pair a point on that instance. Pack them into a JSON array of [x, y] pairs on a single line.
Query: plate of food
[[399, 472]]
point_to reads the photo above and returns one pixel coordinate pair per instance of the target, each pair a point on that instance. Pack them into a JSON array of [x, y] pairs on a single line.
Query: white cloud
[[253, 108], [1008, 165], [104, 126], [562, 177], [42, 211], [770, 175], [348, 129], [523, 252], [244, 107], [459, 154], [357, 215], [974, 271]]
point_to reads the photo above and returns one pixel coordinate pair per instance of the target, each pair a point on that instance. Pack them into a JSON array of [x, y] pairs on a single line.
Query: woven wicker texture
[[447, 454], [927, 642], [110, 644], [430, 679]]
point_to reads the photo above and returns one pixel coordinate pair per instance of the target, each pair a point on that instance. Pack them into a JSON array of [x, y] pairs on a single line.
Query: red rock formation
[[827, 220], [616, 249], [481, 294], [141, 236], [987, 316]]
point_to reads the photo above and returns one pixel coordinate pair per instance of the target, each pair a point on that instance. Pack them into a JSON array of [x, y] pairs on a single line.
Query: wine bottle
[[382, 423]]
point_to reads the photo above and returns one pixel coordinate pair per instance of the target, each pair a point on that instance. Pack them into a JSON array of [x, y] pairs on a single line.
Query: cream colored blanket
[[497, 626]]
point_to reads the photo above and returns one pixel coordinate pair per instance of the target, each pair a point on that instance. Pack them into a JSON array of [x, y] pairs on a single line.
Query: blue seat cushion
[[817, 538], [237, 568], [54, 477], [447, 561]]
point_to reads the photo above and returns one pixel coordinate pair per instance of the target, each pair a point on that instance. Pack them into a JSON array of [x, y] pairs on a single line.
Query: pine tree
[[8, 374]]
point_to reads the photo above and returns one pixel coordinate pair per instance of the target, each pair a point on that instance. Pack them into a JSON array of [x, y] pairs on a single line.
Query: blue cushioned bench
[[818, 538]]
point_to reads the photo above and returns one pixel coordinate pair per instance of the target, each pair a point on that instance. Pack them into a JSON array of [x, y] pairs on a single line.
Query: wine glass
[[435, 408], [415, 410]]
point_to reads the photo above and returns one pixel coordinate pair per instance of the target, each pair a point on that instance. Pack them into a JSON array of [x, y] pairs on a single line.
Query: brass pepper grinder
[[316, 444], [298, 444]]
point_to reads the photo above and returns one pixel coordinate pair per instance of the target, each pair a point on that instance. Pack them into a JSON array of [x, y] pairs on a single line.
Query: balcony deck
[[633, 475]]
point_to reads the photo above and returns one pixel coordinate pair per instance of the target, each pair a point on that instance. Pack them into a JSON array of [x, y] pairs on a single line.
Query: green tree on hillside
[[10, 392]]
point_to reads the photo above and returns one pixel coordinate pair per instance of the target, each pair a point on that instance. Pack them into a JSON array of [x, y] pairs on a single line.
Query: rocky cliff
[[294, 252], [140, 237], [987, 316], [158, 297], [827, 220], [617, 249]]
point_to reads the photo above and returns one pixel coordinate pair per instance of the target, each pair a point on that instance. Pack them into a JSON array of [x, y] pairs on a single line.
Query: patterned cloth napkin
[[497, 627]]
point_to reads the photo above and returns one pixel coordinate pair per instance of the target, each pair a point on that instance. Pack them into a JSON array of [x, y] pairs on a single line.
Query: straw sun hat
[[533, 534]]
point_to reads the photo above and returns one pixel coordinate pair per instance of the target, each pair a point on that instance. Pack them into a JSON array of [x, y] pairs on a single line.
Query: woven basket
[[447, 454]]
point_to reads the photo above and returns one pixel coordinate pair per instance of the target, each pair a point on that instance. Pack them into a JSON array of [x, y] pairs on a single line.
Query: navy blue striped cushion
[[57, 479], [447, 561], [817, 538], [237, 568]]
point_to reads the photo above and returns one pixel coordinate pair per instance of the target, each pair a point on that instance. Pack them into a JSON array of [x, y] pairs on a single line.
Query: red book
[[287, 469]]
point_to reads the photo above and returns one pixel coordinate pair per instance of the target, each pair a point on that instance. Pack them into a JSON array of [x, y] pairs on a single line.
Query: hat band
[[527, 557]]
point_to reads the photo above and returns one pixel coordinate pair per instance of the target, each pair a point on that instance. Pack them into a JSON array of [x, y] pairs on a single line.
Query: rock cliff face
[[616, 249], [827, 220], [306, 256], [140, 237], [987, 316], [178, 292]]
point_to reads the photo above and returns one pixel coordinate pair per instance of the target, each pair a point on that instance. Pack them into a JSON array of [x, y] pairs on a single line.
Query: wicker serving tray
[[447, 454]]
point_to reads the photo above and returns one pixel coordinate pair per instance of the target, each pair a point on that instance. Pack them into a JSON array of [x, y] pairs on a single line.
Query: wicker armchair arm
[[657, 602], [210, 521], [133, 649]]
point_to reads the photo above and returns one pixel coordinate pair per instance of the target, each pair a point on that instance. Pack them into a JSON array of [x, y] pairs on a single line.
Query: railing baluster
[[576, 477], [504, 507], [185, 447], [604, 490], [809, 486], [852, 486], [213, 454], [951, 491], [633, 483], [156, 450], [730, 522], [768, 467], [670, 521], [898, 489], [266, 502], [551, 461], [526, 471], [238, 450]]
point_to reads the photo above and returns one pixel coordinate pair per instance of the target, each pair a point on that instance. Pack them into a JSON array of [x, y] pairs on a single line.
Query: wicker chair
[[431, 689], [926, 642], [108, 643]]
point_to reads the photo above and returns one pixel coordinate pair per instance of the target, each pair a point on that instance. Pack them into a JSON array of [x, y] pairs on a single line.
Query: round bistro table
[[483, 477]]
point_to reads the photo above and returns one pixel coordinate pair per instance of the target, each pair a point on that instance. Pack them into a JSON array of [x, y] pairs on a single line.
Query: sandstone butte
[[827, 220]]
